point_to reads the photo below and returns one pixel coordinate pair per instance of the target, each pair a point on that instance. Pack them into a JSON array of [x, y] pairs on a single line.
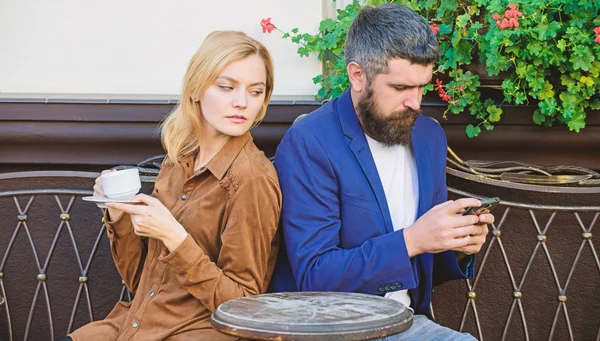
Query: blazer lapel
[[360, 148], [422, 153]]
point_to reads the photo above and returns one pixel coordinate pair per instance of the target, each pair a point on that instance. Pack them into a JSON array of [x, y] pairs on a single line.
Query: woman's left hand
[[153, 220]]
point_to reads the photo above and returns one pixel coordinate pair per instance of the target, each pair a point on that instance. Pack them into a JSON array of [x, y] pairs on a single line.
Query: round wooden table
[[312, 316]]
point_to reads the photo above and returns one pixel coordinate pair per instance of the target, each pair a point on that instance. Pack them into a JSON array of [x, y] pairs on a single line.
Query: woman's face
[[230, 105]]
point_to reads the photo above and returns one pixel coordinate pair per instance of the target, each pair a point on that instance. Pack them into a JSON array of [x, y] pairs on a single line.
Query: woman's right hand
[[98, 191]]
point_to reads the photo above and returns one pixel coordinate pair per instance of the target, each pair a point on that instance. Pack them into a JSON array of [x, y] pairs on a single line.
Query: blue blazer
[[336, 224]]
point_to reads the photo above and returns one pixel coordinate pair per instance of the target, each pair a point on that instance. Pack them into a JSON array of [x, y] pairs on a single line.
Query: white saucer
[[100, 201]]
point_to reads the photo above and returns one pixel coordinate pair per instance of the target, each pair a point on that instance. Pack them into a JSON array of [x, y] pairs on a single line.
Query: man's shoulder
[[430, 125], [322, 122]]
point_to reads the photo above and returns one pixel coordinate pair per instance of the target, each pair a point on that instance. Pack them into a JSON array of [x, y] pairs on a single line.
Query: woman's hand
[[113, 214], [153, 220]]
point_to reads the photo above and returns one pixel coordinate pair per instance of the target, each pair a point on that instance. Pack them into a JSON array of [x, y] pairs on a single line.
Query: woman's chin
[[233, 131]]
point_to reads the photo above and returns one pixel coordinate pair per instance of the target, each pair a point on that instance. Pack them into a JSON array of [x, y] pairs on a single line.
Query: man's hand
[[441, 229], [478, 236]]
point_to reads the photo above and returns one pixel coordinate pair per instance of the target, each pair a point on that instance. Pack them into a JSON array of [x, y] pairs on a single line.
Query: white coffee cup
[[121, 184]]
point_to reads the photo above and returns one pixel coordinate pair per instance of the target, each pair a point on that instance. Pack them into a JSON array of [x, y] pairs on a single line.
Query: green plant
[[546, 53]]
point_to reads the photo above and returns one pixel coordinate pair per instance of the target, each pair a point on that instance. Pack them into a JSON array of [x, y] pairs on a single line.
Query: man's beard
[[394, 129]]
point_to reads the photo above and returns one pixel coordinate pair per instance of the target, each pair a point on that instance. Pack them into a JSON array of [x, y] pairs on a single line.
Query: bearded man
[[363, 178]]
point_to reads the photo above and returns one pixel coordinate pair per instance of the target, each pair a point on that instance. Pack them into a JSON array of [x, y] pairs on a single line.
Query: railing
[[56, 271], [555, 232], [54, 227]]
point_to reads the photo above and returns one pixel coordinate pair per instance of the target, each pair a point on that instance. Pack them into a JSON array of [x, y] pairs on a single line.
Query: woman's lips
[[238, 119]]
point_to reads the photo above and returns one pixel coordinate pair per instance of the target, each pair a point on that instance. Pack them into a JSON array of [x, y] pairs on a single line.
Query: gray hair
[[389, 31]]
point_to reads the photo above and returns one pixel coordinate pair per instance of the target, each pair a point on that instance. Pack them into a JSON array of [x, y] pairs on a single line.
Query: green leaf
[[562, 45], [548, 106], [582, 58], [537, 84], [447, 6], [520, 97], [538, 118], [535, 48], [588, 81], [547, 91], [472, 131], [569, 101], [595, 104], [427, 88], [444, 29], [462, 20], [294, 30], [577, 122], [494, 112], [546, 31], [431, 4]]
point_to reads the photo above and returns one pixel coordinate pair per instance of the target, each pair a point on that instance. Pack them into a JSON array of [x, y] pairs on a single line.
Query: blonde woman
[[208, 232]]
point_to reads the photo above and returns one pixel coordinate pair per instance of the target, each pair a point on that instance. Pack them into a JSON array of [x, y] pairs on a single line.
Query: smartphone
[[487, 205]]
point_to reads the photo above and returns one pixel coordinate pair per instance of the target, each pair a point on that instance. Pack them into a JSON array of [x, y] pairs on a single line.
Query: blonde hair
[[182, 129]]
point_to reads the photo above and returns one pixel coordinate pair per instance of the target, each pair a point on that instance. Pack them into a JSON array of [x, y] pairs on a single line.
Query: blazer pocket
[[364, 202]]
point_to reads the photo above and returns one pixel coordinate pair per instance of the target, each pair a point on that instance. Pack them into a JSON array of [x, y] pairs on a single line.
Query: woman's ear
[[357, 77]]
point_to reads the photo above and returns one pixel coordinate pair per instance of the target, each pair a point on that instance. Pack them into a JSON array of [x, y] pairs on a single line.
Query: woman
[[208, 233]]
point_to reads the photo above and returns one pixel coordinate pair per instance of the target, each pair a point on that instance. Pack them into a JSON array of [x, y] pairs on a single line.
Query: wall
[[140, 46]]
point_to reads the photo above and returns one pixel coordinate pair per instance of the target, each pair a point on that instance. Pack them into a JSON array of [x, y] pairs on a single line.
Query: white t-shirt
[[398, 174]]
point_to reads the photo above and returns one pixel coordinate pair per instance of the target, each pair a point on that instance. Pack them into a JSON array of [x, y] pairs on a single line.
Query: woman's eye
[[257, 93], [225, 87]]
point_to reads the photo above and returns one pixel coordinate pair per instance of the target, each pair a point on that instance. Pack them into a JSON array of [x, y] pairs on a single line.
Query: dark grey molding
[[130, 99]]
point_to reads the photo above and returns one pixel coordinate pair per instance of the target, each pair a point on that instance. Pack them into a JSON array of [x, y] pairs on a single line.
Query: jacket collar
[[222, 161]]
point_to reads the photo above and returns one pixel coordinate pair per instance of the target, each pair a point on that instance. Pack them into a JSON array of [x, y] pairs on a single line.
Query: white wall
[[139, 46]]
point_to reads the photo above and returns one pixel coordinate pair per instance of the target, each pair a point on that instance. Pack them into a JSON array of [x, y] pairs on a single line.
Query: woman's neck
[[210, 145]]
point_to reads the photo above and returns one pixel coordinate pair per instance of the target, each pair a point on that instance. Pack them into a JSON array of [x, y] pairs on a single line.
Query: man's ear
[[357, 77]]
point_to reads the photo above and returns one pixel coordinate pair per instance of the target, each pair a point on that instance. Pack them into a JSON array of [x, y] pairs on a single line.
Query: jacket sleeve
[[445, 264], [248, 246], [128, 250], [311, 224]]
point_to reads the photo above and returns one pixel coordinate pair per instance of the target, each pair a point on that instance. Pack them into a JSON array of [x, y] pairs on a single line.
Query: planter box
[[93, 133]]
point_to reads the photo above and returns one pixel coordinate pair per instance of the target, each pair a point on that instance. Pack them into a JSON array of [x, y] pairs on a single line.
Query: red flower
[[597, 40], [597, 30], [443, 95], [435, 28], [510, 18], [512, 12], [266, 25]]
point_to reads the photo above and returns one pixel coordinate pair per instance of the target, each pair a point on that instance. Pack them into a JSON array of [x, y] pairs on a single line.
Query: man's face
[[391, 102]]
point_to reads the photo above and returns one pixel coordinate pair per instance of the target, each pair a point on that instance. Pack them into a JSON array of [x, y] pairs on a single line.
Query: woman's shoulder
[[252, 163]]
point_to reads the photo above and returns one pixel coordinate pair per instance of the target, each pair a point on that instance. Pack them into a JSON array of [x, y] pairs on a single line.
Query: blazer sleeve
[[311, 224], [445, 264]]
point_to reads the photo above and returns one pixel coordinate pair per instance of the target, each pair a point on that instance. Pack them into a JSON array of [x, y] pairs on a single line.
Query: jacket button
[[388, 287], [381, 288], [398, 285], [135, 325], [184, 197]]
